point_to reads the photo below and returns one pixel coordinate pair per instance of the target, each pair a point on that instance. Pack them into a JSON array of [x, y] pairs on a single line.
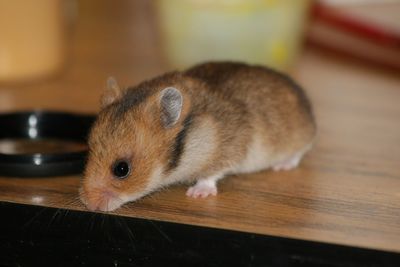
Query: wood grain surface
[[346, 191]]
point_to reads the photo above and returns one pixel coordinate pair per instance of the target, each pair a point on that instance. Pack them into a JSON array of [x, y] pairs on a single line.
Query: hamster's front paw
[[203, 188]]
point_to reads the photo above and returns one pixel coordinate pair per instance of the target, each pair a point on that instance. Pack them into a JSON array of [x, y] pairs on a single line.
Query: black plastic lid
[[44, 125]]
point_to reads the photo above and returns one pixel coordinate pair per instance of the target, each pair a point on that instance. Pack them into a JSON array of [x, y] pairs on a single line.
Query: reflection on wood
[[32, 146]]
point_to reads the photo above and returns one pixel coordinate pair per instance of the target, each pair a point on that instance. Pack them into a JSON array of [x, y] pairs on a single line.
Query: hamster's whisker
[[52, 219], [121, 221], [92, 221], [34, 217], [163, 234], [73, 201], [66, 211]]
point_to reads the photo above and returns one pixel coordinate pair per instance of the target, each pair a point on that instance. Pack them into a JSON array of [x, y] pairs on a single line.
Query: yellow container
[[265, 32], [31, 39]]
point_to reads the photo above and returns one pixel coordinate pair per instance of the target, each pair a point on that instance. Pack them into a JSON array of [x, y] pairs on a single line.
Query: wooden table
[[347, 190]]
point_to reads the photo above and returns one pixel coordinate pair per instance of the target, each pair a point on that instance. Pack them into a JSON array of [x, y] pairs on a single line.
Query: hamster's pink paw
[[202, 189], [288, 164]]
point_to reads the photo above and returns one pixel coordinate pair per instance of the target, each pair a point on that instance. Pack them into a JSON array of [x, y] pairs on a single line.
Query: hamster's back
[[279, 108], [248, 83]]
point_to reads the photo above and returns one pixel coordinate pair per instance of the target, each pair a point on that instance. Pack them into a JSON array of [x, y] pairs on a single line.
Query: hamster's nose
[[102, 201], [92, 206], [88, 202]]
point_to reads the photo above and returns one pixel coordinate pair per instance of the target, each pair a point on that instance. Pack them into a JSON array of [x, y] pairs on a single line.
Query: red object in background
[[354, 36]]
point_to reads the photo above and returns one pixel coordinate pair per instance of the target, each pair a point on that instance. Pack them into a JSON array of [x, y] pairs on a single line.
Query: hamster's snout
[[100, 200]]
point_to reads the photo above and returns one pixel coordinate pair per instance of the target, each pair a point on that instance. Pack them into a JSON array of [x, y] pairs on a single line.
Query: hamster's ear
[[112, 93], [171, 101]]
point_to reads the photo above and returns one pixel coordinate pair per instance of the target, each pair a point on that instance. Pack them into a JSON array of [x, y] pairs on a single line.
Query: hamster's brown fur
[[234, 118]]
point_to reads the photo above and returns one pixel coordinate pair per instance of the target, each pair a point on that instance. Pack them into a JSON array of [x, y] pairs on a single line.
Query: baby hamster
[[197, 126]]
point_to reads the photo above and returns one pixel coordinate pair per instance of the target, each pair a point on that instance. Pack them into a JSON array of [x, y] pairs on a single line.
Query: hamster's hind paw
[[288, 164], [203, 188]]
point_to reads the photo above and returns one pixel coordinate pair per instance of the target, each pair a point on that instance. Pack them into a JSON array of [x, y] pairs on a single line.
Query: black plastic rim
[[44, 125]]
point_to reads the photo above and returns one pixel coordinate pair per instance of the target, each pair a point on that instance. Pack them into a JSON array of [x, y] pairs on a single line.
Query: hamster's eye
[[121, 169]]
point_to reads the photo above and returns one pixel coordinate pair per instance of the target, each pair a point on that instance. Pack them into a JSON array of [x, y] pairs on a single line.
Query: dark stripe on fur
[[179, 144], [133, 97]]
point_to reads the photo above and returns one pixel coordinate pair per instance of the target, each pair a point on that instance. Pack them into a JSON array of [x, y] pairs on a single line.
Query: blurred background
[[56, 54]]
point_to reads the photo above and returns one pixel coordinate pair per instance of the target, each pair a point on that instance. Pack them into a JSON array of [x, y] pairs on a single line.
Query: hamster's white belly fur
[[257, 157]]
